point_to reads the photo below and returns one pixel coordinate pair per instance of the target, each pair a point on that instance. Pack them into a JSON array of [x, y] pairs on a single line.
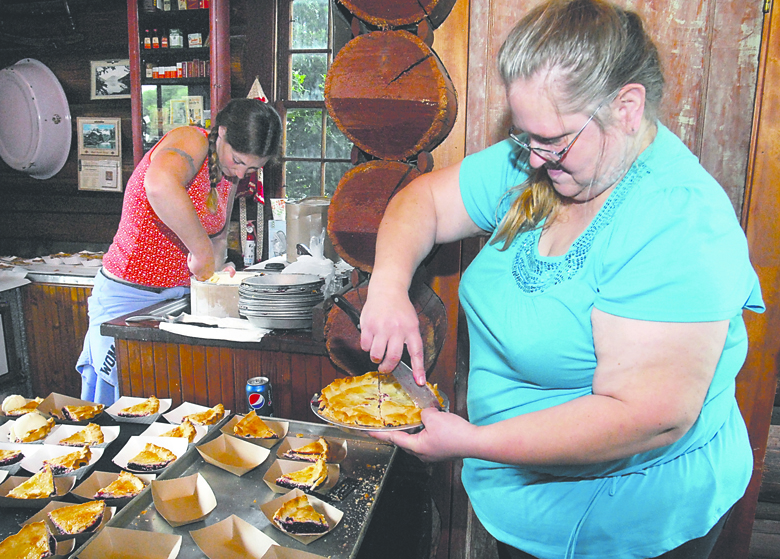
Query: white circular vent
[[35, 124]]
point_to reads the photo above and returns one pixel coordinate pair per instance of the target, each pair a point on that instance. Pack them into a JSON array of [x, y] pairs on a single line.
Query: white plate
[[176, 416], [127, 401], [156, 429], [412, 427], [136, 444], [64, 431], [5, 434], [34, 463]]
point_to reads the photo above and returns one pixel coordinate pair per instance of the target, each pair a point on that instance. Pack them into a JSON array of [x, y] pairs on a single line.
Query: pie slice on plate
[[30, 427], [33, 541], [8, 457], [307, 479], [207, 417], [125, 486], [78, 518], [91, 434], [150, 406], [297, 516], [16, 405], [69, 462], [311, 452], [151, 458], [185, 430], [39, 486], [81, 413], [253, 427]]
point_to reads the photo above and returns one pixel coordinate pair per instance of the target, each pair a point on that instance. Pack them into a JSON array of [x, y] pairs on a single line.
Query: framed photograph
[[99, 136], [110, 79], [178, 113]]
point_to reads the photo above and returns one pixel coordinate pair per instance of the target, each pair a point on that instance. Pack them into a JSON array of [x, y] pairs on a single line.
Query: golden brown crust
[[81, 413], [76, 519], [370, 400], [297, 516], [151, 458], [150, 406], [70, 462], [319, 449], [252, 426], [124, 486], [308, 478], [185, 430], [33, 541], [34, 434], [207, 417], [32, 405], [91, 434], [39, 486]]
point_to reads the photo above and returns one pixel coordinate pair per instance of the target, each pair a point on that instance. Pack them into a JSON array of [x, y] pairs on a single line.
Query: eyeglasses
[[548, 154]]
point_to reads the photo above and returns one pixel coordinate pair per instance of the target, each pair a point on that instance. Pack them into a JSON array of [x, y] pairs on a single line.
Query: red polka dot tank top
[[145, 251]]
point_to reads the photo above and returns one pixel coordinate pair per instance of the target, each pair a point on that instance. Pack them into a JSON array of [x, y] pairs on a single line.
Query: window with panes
[[315, 154]]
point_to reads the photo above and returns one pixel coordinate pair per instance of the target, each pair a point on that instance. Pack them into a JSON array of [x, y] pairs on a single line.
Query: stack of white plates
[[280, 300]]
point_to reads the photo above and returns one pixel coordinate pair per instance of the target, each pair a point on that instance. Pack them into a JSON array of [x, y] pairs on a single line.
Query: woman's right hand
[[202, 267], [389, 322]]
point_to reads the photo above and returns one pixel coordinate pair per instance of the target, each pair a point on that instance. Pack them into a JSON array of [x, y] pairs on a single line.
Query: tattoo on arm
[[187, 157]]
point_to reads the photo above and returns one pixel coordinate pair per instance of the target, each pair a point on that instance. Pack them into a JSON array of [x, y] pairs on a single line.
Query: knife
[[422, 396]]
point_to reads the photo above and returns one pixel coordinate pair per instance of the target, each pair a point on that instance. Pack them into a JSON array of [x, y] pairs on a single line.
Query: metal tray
[[367, 462]]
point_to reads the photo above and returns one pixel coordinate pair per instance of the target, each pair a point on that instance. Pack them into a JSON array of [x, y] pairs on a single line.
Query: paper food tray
[[43, 515], [34, 463], [156, 429], [331, 514], [176, 416], [233, 455], [60, 432], [62, 486], [279, 427], [136, 444], [127, 401], [184, 500]]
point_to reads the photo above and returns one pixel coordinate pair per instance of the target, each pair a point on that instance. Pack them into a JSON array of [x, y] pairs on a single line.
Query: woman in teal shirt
[[605, 313]]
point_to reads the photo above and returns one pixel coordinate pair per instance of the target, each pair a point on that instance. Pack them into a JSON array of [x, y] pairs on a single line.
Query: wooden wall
[[45, 216]]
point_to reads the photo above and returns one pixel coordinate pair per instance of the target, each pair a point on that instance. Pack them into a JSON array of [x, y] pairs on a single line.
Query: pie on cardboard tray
[[33, 541]]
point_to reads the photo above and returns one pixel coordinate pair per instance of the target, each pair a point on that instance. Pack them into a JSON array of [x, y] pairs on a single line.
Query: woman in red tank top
[[173, 224]]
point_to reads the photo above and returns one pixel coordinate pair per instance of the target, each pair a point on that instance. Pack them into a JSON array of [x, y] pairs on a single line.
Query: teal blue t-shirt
[[666, 246]]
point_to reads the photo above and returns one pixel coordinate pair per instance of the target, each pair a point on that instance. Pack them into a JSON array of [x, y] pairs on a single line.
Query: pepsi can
[[258, 395]]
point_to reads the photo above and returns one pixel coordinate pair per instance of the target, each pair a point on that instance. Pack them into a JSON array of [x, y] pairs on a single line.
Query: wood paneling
[[56, 322], [209, 375]]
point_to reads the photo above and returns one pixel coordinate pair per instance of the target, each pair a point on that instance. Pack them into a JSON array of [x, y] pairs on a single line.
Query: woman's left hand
[[445, 437]]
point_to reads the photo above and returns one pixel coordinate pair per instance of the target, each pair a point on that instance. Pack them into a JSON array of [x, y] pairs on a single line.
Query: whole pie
[[39, 486], [371, 400], [207, 417], [8, 457], [151, 458], [33, 541], [307, 479], [150, 406], [91, 434], [76, 519], [297, 516], [69, 462], [185, 430], [252, 426], [317, 450], [125, 486], [81, 413]]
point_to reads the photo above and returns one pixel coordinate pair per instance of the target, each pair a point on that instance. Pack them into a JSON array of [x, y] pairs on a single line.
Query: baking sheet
[[367, 461]]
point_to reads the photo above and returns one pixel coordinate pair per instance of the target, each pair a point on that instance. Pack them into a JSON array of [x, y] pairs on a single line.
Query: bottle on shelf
[[163, 39], [147, 39], [155, 40]]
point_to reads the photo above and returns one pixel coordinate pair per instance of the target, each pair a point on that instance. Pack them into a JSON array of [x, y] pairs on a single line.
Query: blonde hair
[[594, 48]]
